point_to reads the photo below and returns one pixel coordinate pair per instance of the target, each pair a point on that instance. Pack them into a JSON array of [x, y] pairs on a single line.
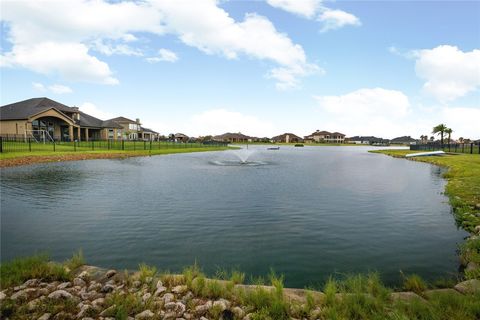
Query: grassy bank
[[463, 190], [8, 159], [191, 295]]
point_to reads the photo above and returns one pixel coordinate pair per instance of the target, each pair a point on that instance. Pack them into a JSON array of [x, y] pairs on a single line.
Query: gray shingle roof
[[26, 108], [122, 120]]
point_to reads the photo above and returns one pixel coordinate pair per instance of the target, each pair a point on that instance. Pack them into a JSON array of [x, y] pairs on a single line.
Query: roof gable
[[27, 108]]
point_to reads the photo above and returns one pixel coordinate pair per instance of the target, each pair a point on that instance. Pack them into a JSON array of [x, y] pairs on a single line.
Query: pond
[[308, 213]]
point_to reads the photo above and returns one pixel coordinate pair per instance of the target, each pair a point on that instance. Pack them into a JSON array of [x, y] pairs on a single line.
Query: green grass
[[75, 261], [19, 270], [414, 283]]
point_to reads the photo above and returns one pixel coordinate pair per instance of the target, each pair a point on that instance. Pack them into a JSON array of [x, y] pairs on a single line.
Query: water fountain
[[242, 158]]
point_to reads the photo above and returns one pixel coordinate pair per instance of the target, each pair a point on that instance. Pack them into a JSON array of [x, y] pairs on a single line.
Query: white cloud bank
[[389, 114], [93, 110], [314, 9], [59, 37], [55, 88], [164, 55], [449, 72]]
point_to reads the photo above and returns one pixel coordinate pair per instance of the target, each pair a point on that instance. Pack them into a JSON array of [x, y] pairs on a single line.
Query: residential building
[[232, 137], [287, 138], [180, 137], [43, 118], [366, 140], [325, 137], [148, 134], [404, 140], [130, 129]]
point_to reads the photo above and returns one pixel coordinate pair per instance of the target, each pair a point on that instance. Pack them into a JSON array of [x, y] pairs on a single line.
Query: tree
[[460, 139], [440, 129], [449, 132]]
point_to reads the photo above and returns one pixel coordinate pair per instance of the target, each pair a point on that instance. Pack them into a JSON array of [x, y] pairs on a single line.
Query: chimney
[[137, 120]]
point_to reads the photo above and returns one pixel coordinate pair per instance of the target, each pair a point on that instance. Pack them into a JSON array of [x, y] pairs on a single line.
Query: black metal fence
[[19, 144], [471, 148]]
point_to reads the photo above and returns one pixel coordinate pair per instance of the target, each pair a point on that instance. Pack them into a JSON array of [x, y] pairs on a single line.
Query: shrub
[[75, 261], [414, 283]]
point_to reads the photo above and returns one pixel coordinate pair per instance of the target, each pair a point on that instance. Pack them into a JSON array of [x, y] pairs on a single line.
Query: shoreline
[[78, 291], [24, 159], [463, 191]]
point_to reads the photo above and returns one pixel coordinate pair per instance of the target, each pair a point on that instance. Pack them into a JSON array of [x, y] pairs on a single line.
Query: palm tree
[[440, 129], [449, 132]]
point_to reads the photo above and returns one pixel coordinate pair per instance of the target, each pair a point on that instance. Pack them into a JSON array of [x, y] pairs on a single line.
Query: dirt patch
[[22, 161]]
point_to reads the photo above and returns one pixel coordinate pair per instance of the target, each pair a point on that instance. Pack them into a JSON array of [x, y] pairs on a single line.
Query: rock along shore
[[96, 293]]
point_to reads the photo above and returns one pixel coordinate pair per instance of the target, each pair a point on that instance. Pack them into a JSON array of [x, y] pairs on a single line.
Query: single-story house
[[180, 137], [43, 118], [325, 136], [366, 140], [403, 140], [232, 137], [148, 134], [287, 138]]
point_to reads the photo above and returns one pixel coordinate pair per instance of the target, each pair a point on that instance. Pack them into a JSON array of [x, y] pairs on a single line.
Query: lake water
[[305, 212]]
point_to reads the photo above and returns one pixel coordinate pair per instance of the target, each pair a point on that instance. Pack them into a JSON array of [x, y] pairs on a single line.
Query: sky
[[205, 67]]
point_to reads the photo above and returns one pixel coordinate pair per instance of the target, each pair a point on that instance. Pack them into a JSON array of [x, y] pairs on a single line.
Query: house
[[130, 130], [232, 137], [403, 140], [325, 136], [148, 134], [180, 137], [43, 118], [287, 138], [366, 140]]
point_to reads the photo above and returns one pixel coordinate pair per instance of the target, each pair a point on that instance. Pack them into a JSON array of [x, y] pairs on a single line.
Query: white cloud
[[463, 121], [335, 19], [60, 89], [93, 110], [70, 60], [366, 111], [449, 72], [55, 88], [306, 8], [164, 55], [331, 19], [59, 36], [38, 86]]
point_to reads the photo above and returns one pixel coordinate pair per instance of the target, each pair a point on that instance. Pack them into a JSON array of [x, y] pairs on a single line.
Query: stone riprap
[[94, 292]]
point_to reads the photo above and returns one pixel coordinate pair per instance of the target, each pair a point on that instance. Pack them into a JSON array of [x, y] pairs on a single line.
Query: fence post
[[123, 144], [134, 147], [471, 148], [92, 146], [1, 144], [53, 145], [144, 145], [150, 145], [29, 144]]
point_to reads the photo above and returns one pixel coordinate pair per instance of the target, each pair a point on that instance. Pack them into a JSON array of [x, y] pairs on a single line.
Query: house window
[[110, 134], [133, 126]]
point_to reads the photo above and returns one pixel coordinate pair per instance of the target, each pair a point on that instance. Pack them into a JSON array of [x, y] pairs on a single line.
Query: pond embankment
[[89, 292], [14, 159]]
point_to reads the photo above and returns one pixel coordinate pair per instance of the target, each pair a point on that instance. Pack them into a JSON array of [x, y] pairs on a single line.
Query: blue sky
[[385, 68]]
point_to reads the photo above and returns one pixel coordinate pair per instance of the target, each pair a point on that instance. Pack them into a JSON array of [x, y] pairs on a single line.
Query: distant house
[[403, 140], [130, 129], [148, 134], [232, 137], [366, 140], [287, 138], [180, 137], [43, 118], [325, 136]]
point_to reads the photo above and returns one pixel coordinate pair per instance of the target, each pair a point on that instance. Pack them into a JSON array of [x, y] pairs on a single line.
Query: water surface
[[305, 212]]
